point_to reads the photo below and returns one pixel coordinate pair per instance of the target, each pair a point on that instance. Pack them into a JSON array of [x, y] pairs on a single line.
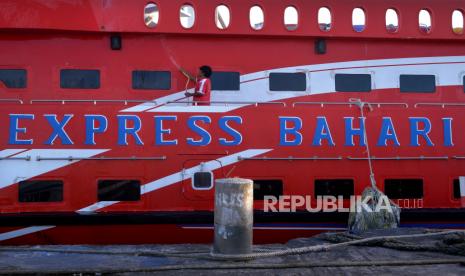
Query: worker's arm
[[187, 74], [190, 94]]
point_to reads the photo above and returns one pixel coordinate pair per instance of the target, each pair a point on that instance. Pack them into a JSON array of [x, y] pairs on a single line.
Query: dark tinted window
[[267, 187], [13, 78], [288, 82], [118, 190], [225, 81], [202, 180], [334, 187], [79, 79], [403, 188], [463, 83], [158, 80], [456, 184], [353, 82], [418, 83], [41, 191]]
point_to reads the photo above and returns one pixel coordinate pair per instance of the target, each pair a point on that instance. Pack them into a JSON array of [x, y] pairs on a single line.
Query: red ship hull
[[114, 131]]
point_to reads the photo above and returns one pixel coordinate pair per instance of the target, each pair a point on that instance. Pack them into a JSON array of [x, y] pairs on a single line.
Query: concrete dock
[[430, 255]]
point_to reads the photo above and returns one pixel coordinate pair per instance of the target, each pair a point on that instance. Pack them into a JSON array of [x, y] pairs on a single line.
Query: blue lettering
[[160, 131], [205, 137], [350, 131], [285, 130], [415, 131], [447, 125], [322, 132], [58, 129], [15, 129], [387, 133], [124, 130], [236, 135], [91, 129]]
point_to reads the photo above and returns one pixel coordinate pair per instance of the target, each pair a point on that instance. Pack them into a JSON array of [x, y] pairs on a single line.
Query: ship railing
[[322, 104], [351, 158], [95, 102], [290, 158], [77, 158], [264, 158], [421, 157], [226, 103], [11, 101], [443, 105]]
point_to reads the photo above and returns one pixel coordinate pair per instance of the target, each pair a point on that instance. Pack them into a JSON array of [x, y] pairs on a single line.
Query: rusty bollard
[[233, 216]]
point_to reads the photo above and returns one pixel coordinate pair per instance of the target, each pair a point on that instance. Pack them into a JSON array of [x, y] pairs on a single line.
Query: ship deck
[[432, 255]]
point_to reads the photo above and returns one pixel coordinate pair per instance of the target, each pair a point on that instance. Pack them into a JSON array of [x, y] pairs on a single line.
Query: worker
[[202, 90]]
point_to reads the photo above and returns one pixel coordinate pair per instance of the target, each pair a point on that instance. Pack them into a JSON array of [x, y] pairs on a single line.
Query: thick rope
[[319, 248], [362, 105]]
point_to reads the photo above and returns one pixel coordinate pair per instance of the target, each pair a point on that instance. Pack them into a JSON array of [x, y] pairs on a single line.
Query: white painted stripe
[[159, 101], [8, 152], [23, 232], [14, 171], [385, 74], [182, 175], [197, 109], [462, 186]]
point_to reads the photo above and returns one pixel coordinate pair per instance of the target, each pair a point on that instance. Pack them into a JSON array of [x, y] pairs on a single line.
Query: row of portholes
[[291, 18]]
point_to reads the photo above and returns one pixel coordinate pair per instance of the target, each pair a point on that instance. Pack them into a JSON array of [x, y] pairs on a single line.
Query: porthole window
[[257, 18], [222, 17], [457, 22], [358, 20], [187, 16], [202, 181], [424, 21], [392, 21], [291, 18], [151, 15], [324, 19]]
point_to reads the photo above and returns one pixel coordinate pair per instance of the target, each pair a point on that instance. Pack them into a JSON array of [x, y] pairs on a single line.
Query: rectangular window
[[353, 82], [156, 80], [226, 81], [202, 180], [118, 190], [267, 187], [418, 83], [456, 184], [13, 78], [79, 79], [41, 191], [288, 82], [334, 187], [403, 188]]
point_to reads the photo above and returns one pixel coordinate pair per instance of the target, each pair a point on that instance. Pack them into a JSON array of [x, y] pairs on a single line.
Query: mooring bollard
[[233, 216]]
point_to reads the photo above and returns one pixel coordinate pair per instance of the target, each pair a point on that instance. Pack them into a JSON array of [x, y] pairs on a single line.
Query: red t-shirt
[[203, 86]]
